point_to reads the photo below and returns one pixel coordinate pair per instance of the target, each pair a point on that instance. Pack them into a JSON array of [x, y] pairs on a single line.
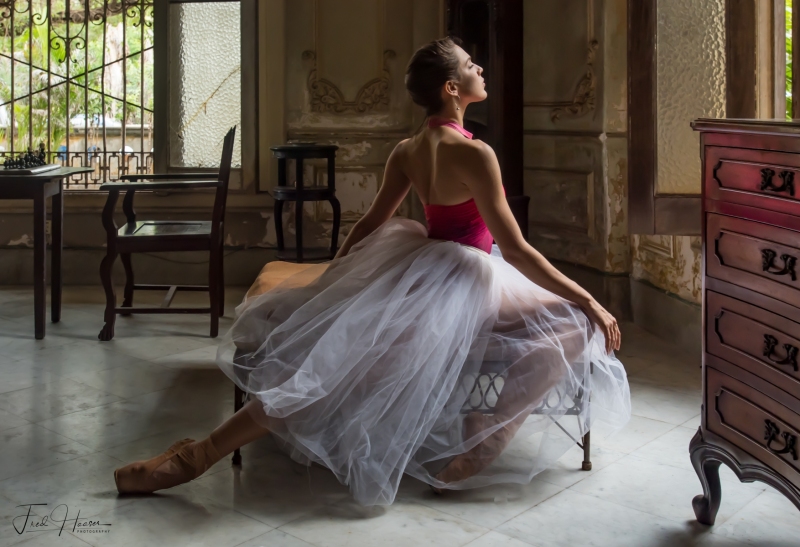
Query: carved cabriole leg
[[107, 264], [706, 505]]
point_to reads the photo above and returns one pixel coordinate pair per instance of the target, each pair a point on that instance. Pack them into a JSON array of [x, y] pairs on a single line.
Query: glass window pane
[[205, 68], [691, 84]]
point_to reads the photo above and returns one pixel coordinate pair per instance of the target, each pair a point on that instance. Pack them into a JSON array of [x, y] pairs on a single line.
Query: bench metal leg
[[587, 449]]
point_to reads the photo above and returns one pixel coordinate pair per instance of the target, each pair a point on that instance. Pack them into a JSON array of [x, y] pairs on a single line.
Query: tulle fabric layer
[[369, 363]]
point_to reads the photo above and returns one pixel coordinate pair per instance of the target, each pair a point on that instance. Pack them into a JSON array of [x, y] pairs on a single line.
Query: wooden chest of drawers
[[751, 308]]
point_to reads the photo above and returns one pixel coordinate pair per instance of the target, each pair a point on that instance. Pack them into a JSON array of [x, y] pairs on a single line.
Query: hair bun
[[429, 69]]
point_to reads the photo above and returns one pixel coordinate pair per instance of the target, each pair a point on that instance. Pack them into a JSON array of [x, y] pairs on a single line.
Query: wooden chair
[[166, 235]]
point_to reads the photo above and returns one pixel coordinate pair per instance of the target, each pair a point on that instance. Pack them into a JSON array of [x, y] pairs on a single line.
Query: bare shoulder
[[471, 154]]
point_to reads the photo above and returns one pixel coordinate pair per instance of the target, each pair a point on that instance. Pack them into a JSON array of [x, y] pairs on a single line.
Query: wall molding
[[327, 97], [590, 234], [666, 250], [584, 97]]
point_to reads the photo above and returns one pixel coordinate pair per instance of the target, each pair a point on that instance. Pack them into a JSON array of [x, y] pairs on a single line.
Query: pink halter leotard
[[462, 222]]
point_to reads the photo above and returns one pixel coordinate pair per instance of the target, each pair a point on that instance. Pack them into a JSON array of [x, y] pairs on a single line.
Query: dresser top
[[746, 125]]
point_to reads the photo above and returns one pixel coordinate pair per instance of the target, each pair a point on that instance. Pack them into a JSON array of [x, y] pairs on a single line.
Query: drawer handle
[[768, 263], [770, 342], [789, 440], [786, 176]]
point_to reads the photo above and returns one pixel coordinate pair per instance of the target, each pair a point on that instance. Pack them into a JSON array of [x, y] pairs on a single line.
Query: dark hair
[[429, 68]]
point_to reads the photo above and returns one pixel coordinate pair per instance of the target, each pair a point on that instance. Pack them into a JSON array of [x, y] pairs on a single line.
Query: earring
[[459, 98]]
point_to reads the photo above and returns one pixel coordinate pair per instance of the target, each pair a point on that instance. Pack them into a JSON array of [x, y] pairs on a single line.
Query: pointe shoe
[[481, 455], [184, 461], [474, 423]]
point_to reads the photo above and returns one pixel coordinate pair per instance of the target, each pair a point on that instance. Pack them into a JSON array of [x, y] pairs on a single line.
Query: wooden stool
[[300, 194]]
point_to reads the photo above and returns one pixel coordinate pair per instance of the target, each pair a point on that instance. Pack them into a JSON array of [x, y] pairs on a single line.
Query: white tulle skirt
[[370, 366]]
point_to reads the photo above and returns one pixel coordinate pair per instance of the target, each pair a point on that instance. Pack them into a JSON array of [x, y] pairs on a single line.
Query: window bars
[[77, 75]]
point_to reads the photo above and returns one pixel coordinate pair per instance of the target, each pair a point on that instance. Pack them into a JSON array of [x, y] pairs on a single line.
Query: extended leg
[[188, 459], [527, 382]]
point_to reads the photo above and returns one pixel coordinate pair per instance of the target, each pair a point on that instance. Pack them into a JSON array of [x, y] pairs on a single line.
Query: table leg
[[39, 263], [56, 250]]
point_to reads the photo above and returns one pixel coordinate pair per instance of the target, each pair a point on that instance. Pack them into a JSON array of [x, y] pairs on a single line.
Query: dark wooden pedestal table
[[38, 188], [300, 194]]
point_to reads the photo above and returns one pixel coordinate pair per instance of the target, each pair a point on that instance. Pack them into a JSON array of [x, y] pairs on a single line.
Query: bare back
[[431, 163]]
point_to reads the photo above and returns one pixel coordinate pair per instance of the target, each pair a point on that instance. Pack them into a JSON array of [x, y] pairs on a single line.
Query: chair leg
[[110, 316], [213, 289], [587, 449], [238, 403], [221, 280], [127, 300]]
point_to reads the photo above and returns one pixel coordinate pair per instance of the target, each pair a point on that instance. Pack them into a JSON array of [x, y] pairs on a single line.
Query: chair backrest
[[221, 198]]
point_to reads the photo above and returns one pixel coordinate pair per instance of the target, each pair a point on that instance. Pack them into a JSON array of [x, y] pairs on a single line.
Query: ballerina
[[359, 364]]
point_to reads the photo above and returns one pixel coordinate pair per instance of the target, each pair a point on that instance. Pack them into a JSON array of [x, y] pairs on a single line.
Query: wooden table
[[39, 188]]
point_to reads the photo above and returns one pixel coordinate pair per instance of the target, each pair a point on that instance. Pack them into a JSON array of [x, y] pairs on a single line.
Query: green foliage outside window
[[80, 62]]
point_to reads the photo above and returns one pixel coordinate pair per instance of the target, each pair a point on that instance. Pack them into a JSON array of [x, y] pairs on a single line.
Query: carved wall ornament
[[583, 100], [327, 97]]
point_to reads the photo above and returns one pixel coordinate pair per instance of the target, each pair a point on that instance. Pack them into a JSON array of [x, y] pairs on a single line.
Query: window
[[126, 86], [77, 78]]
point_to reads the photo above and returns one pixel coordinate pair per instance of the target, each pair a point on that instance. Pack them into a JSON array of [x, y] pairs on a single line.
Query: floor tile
[[30, 447], [489, 506], [570, 518], [398, 525], [661, 490], [496, 539], [117, 423], [275, 538], [770, 520], [10, 421], [664, 404], [130, 380], [175, 521], [636, 434], [85, 484], [271, 489], [55, 397], [205, 357], [568, 471]]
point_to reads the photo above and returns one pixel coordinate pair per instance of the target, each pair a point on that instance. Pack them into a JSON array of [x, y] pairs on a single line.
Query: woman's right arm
[[481, 173]]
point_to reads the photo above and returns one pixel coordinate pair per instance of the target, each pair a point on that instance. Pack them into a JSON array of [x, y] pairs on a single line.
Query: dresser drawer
[[760, 178], [755, 422], [758, 340], [754, 255]]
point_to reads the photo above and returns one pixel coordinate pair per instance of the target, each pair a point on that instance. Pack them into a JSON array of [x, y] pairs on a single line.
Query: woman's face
[[471, 87]]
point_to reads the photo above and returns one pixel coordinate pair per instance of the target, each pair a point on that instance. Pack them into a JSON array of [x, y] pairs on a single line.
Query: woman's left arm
[[391, 194]]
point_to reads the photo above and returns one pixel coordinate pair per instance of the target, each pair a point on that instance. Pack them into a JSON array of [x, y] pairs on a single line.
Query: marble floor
[[72, 409]]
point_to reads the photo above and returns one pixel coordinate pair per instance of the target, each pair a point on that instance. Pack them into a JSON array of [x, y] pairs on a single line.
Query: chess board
[[29, 170]]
